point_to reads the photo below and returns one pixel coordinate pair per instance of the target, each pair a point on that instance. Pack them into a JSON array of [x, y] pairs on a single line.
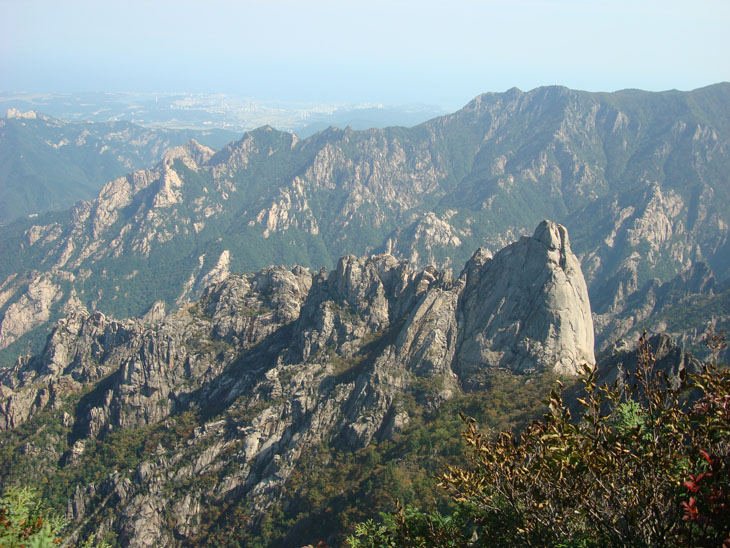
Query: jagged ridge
[[640, 179], [275, 362]]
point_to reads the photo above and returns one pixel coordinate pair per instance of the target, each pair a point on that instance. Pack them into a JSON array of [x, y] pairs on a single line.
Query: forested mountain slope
[[49, 164]]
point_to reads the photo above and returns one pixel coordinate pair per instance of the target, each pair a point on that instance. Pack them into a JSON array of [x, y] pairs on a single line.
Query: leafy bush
[[411, 527], [23, 521], [647, 464], [26, 523]]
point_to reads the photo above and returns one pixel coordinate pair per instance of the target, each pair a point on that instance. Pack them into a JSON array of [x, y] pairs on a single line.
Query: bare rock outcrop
[[527, 308], [33, 308]]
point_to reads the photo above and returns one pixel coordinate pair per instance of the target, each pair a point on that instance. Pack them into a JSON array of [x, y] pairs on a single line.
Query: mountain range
[[220, 403], [285, 405], [638, 178], [167, 384]]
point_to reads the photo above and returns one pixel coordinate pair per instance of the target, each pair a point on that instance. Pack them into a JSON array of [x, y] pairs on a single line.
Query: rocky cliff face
[[229, 393], [527, 308], [639, 179], [685, 307]]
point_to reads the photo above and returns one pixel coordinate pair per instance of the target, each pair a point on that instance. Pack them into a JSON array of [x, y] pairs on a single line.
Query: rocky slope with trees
[[639, 179], [49, 164], [158, 429]]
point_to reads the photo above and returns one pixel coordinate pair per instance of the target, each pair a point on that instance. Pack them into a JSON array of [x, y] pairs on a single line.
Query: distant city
[[208, 111]]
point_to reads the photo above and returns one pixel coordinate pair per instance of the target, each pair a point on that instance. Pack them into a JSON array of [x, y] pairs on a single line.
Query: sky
[[383, 51]]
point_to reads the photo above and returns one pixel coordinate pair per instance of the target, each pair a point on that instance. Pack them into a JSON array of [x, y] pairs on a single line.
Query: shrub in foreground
[[25, 522], [647, 464]]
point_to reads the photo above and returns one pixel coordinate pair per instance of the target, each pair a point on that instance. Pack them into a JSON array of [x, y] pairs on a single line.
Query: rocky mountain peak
[[527, 308], [193, 154], [553, 235]]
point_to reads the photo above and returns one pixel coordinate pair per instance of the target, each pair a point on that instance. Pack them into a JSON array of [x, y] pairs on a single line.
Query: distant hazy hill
[[641, 180], [48, 164], [207, 111], [366, 118]]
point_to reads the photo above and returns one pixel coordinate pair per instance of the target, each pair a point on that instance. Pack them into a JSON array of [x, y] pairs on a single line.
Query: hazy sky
[[440, 53]]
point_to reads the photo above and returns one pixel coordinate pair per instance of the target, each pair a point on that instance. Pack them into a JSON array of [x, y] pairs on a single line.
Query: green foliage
[[26, 523], [643, 466], [411, 527], [629, 416]]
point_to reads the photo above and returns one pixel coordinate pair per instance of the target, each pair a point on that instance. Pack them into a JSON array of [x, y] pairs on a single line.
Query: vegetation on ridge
[[330, 492], [647, 464]]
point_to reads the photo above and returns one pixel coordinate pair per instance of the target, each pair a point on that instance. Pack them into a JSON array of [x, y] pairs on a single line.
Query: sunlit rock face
[[527, 308]]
